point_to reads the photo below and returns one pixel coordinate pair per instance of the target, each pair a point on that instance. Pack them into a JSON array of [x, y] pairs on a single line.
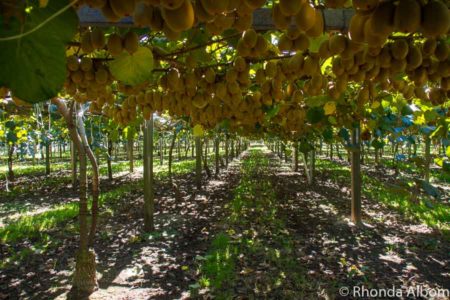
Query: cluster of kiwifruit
[[293, 40], [221, 15], [117, 44], [87, 79], [291, 117], [95, 39], [175, 16], [92, 40], [307, 18], [422, 63], [252, 44], [125, 113], [375, 20]]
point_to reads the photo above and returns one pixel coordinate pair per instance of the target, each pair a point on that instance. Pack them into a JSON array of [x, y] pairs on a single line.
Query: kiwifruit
[[89, 75], [290, 7], [284, 43], [270, 69], [96, 3], [356, 27], [250, 38], [243, 22], [114, 45], [280, 21], [122, 8], [365, 5], [384, 58], [435, 95], [242, 49], [428, 47], [324, 50], [240, 64], [444, 68], [420, 93], [215, 7], [179, 19], [301, 43], [261, 45], [337, 44], [98, 38], [157, 23], [171, 4], [398, 66], [86, 43], [131, 42], [143, 14], [86, 64], [293, 33], [201, 14], [109, 14], [442, 50], [399, 49], [370, 38], [435, 18], [210, 75], [318, 27], [224, 21], [382, 19], [72, 63], [407, 16], [77, 76], [414, 57], [306, 17]]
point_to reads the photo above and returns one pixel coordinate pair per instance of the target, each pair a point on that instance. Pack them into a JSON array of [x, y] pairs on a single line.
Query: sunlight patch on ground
[[392, 258], [15, 216]]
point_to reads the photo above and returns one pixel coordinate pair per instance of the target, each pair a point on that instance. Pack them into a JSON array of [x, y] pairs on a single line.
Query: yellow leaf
[[43, 3], [329, 108], [198, 130], [375, 104]]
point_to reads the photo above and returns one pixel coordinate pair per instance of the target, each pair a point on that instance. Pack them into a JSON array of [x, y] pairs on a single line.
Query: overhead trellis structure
[[334, 19]]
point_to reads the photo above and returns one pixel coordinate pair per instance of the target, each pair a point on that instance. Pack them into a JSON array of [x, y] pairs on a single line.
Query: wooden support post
[[356, 175], [226, 149], [149, 193], [130, 148], [216, 155], [426, 175], [73, 160], [295, 153], [198, 162]]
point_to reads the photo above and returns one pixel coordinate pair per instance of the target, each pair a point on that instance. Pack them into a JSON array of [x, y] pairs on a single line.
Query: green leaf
[[315, 115], [34, 66], [315, 43], [447, 151], [133, 68], [377, 144]]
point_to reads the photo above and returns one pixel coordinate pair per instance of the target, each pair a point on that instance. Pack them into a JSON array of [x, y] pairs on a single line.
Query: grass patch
[[428, 211], [34, 225], [256, 234]]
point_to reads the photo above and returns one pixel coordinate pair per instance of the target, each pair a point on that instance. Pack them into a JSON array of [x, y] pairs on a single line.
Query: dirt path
[[132, 265], [388, 251]]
